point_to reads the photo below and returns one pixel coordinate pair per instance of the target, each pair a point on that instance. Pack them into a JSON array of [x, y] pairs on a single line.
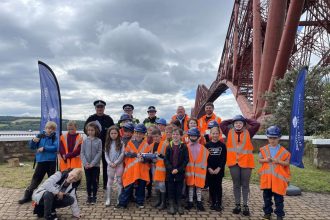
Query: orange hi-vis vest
[[134, 169], [196, 170], [160, 171], [202, 123], [186, 119], [274, 176], [74, 162], [239, 153]]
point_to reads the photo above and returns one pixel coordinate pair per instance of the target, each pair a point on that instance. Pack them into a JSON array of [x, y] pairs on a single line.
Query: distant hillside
[[13, 123]]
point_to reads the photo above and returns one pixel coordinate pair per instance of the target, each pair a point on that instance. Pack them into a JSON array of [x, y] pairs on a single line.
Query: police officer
[[151, 120], [105, 121], [128, 108]]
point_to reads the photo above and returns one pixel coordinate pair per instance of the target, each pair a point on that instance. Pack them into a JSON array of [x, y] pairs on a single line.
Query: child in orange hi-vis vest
[[274, 173], [136, 170], [158, 147], [196, 169]]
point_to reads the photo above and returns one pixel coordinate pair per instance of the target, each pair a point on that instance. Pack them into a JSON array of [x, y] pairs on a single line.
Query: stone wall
[[322, 153], [15, 149]]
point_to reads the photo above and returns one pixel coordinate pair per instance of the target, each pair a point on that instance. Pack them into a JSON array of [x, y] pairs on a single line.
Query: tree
[[317, 101]]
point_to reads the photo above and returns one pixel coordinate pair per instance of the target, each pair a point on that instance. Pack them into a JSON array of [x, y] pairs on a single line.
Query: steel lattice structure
[[265, 38]]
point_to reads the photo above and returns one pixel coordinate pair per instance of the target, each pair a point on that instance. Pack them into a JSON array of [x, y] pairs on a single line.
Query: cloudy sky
[[144, 52]]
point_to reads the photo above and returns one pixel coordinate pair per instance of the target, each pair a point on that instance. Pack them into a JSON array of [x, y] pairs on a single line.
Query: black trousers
[[42, 168], [92, 183], [104, 171], [279, 203], [50, 202], [215, 187], [175, 190]]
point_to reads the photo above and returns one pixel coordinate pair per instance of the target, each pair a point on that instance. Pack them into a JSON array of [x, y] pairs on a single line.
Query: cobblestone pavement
[[307, 206]]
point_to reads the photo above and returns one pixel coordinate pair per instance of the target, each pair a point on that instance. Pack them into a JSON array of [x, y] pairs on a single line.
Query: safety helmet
[[212, 124], [129, 126], [194, 132], [161, 121], [140, 128], [273, 131], [239, 118], [125, 117]]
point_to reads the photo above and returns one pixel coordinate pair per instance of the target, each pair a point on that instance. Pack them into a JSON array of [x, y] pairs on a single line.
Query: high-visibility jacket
[[134, 169], [74, 162], [202, 123], [186, 140], [185, 121], [275, 176], [195, 172], [160, 171], [239, 153]]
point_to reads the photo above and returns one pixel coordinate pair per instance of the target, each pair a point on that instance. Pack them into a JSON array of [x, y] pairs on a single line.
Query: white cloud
[[141, 52]]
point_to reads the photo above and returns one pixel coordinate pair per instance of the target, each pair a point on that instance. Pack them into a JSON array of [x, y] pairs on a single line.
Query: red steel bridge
[[265, 38]]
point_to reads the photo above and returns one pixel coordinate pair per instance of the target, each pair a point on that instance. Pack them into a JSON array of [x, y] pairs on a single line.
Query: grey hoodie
[[91, 151]]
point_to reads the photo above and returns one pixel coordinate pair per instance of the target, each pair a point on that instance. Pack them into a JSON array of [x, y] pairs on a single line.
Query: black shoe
[[237, 209], [180, 208], [200, 206], [267, 216], [279, 218], [162, 205], [93, 201], [140, 206], [212, 206], [119, 207], [190, 205], [89, 200], [158, 199], [54, 216], [171, 209], [27, 197], [246, 211], [218, 207]]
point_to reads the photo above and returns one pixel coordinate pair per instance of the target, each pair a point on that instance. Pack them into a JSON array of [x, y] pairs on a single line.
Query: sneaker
[[140, 206], [89, 200], [93, 201], [267, 216], [246, 211], [237, 209], [119, 207]]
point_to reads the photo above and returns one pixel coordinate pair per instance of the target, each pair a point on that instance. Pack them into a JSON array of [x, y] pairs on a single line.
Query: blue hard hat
[[140, 128], [239, 118], [125, 117], [212, 124], [129, 126], [273, 131], [194, 132], [161, 121]]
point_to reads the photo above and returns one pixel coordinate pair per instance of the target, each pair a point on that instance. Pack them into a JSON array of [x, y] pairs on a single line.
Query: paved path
[[307, 206]]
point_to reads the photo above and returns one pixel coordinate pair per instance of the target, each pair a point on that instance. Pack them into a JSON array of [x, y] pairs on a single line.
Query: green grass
[[309, 179]]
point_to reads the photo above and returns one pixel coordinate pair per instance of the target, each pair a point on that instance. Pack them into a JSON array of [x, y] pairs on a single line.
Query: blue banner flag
[[297, 121], [51, 109]]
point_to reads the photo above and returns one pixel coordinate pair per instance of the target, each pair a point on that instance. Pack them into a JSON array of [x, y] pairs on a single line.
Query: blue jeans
[[279, 203], [139, 193]]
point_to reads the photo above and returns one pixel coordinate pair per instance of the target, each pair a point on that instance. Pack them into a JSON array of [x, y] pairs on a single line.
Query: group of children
[[180, 163]]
